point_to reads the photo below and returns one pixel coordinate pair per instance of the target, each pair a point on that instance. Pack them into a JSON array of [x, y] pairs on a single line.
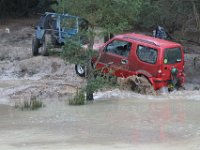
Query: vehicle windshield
[[172, 55]]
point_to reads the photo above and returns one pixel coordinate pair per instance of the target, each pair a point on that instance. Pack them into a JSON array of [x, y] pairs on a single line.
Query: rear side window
[[147, 54], [172, 55], [118, 47]]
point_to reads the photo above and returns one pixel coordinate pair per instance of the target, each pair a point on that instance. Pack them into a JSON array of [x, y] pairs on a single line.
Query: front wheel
[[80, 70]]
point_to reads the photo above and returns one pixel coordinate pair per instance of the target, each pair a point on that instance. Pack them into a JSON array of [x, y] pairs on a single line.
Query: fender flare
[[145, 74]]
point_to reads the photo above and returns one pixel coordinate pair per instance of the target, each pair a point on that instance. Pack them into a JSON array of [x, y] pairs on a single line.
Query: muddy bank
[[23, 76], [41, 77]]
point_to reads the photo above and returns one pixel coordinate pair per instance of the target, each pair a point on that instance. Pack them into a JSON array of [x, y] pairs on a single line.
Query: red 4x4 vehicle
[[160, 61]]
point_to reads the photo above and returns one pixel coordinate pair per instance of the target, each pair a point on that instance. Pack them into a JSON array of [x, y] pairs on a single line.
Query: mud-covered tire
[[35, 46], [80, 70], [45, 45], [141, 84]]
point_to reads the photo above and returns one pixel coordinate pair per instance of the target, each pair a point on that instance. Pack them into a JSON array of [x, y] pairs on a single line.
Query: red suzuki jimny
[[160, 61]]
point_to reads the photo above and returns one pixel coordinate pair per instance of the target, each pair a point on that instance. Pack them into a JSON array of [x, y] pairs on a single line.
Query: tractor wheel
[[141, 84], [46, 45], [35, 46], [80, 70]]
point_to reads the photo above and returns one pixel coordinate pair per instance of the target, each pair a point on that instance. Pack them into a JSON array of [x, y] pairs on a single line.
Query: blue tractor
[[55, 29]]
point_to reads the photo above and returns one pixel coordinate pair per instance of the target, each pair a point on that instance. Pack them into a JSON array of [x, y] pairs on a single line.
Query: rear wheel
[[141, 84], [46, 45], [35, 46]]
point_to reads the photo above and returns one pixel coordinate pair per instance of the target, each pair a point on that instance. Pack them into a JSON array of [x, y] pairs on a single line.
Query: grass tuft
[[79, 98], [32, 104]]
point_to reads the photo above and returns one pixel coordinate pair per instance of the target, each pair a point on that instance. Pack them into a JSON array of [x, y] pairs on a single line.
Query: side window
[[147, 54], [121, 48]]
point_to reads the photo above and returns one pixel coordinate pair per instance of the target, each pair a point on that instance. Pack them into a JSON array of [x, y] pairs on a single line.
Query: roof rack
[[141, 40]]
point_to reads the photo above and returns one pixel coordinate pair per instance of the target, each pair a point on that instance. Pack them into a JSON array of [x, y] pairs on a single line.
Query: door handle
[[124, 61]]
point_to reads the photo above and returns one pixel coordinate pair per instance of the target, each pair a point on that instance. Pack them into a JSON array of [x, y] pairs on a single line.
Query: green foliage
[[73, 52], [172, 14], [116, 16], [93, 85], [113, 16], [149, 15], [99, 82]]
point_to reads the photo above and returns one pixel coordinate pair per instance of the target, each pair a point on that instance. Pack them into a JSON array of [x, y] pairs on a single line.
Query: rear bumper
[[159, 82]]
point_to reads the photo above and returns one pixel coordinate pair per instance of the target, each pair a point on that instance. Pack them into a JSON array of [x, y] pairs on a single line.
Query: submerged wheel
[[141, 84], [80, 70], [35, 46]]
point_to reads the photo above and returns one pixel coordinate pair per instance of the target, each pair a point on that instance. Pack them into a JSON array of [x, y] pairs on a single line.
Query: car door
[[173, 58], [114, 57]]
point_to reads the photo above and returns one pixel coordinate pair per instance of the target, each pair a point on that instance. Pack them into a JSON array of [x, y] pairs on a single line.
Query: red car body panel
[[158, 73]]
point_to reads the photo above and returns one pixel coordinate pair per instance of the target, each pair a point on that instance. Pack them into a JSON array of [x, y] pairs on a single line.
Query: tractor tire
[[46, 45], [80, 70], [35, 46]]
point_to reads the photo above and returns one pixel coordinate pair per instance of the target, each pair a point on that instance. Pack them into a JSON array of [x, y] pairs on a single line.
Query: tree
[[113, 16], [172, 14], [21, 8]]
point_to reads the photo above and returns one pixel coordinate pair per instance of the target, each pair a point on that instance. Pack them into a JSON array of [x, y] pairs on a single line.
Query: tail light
[[159, 71]]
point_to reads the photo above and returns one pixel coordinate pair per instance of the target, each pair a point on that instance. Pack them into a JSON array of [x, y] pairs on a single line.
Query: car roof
[[148, 40], [63, 15]]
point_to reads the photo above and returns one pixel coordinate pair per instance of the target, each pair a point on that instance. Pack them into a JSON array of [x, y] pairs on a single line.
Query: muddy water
[[112, 121]]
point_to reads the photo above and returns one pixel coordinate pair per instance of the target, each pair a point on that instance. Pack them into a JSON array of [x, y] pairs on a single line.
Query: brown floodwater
[[115, 120]]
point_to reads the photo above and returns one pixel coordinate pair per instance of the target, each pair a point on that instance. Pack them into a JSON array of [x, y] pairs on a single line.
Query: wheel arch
[[146, 74]]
